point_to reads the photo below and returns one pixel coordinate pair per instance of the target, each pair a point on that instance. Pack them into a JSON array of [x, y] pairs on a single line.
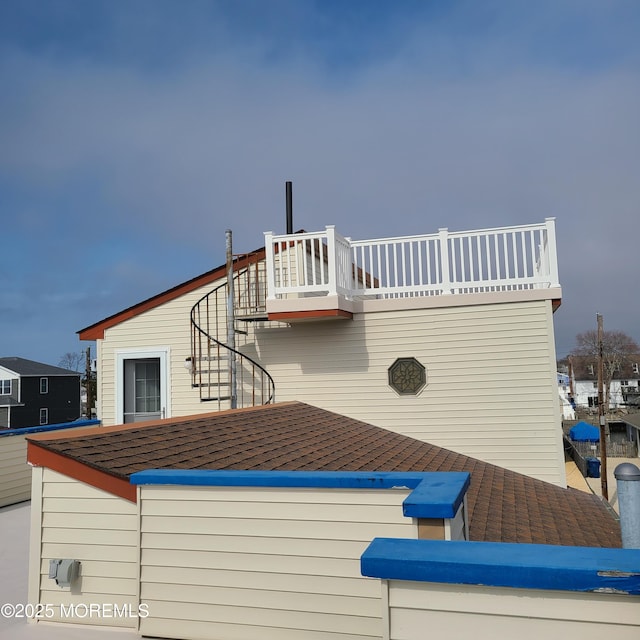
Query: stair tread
[[203, 385], [205, 371]]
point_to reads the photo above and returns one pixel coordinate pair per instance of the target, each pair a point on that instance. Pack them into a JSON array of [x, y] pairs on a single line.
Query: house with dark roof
[[33, 393], [250, 523], [624, 390], [444, 337]]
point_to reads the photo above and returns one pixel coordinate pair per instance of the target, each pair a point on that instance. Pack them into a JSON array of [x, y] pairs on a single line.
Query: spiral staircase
[[221, 372]]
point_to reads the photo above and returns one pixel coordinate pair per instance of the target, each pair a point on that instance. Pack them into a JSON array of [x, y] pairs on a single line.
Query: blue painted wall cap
[[335, 479], [437, 496], [327, 479], [531, 566], [50, 427]]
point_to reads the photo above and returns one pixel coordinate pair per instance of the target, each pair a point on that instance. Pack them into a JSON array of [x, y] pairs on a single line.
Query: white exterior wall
[[263, 563], [15, 473], [457, 528], [5, 412], [71, 519], [585, 389], [487, 613], [491, 381]]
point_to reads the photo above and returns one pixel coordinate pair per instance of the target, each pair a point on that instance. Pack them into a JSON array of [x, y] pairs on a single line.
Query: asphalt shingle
[[504, 506]]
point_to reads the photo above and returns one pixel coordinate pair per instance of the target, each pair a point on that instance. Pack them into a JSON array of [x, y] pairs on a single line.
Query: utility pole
[[89, 385], [601, 416]]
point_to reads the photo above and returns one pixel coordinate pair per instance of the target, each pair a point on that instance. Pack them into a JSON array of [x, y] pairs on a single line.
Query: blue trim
[[439, 495], [49, 427], [434, 495], [496, 564]]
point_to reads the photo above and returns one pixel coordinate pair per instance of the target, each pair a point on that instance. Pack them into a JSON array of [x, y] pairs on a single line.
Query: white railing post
[[443, 235], [344, 265], [331, 260], [351, 275], [552, 253], [270, 259]]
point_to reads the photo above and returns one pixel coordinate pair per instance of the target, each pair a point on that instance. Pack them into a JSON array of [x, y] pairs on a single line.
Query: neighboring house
[[447, 338], [33, 394], [632, 424], [250, 523], [625, 383]]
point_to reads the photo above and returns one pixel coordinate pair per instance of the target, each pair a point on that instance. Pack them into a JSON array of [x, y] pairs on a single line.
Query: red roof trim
[[44, 458], [96, 331]]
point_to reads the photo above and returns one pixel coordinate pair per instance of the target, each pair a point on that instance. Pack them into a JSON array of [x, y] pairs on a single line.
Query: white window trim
[[164, 353], [10, 381], [46, 414], [46, 385]]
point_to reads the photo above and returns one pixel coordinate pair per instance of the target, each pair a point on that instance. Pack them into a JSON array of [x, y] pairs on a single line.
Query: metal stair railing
[[212, 359]]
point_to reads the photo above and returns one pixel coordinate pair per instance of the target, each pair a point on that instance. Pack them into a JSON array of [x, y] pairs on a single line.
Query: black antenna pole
[[289, 196]]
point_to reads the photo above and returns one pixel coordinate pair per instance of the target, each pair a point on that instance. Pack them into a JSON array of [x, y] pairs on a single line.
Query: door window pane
[[142, 389], [147, 386]]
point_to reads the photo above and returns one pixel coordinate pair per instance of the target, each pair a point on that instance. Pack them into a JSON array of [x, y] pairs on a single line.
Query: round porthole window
[[407, 376]]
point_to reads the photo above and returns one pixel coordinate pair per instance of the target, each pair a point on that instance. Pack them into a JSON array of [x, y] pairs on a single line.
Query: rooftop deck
[[326, 264]]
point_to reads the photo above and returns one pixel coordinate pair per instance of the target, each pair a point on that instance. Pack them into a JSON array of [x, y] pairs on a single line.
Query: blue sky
[[132, 134]]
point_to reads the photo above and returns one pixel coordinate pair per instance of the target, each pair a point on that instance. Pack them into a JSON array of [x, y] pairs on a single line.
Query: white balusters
[[325, 263]]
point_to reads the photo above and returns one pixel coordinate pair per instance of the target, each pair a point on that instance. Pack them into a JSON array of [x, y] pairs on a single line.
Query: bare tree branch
[[617, 349], [73, 361]]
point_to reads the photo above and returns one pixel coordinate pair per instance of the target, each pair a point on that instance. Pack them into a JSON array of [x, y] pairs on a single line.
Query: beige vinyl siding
[[260, 563], [166, 325], [486, 613], [15, 473], [491, 391], [491, 372], [100, 530]]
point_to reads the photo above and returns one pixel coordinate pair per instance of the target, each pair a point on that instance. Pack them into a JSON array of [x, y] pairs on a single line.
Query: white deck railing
[[325, 263]]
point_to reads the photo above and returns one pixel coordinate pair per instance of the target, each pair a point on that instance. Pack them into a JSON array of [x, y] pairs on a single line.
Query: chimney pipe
[[628, 478], [289, 196]]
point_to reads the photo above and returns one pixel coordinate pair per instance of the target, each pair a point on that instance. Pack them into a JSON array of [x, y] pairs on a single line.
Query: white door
[[141, 388], [142, 398]]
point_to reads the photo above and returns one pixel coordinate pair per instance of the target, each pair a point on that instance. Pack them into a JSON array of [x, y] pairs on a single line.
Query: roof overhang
[[96, 331], [41, 457]]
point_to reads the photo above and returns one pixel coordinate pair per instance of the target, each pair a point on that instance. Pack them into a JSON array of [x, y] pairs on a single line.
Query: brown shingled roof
[[504, 506], [582, 371]]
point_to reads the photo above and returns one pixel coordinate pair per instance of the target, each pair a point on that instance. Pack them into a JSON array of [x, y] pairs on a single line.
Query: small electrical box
[[64, 572]]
